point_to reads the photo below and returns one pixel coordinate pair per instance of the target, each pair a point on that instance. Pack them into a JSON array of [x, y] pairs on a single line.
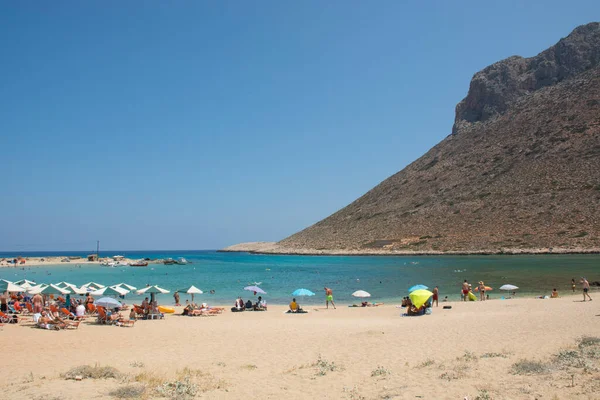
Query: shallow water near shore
[[386, 278]]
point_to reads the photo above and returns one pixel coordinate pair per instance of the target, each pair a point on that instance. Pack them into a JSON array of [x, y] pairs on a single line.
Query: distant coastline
[[275, 249]]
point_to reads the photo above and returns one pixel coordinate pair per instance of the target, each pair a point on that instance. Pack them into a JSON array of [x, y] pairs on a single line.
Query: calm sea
[[386, 278]]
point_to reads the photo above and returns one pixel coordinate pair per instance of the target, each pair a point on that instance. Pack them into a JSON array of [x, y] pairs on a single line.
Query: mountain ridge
[[520, 172]]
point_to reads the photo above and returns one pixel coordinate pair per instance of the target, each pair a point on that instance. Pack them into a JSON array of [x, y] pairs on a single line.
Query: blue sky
[[199, 124]]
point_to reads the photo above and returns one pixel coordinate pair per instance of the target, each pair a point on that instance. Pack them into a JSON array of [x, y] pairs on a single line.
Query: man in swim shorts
[[586, 288], [465, 290], [329, 298]]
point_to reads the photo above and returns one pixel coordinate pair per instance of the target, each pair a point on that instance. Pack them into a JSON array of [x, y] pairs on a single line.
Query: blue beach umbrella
[[417, 287], [302, 292]]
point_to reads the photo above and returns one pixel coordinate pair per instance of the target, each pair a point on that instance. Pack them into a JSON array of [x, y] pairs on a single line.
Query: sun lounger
[[70, 315], [29, 307], [91, 309], [10, 318], [126, 323]]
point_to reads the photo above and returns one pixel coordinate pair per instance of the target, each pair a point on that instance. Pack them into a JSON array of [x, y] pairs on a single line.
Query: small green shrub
[[380, 371], [128, 391], [529, 367], [89, 372]]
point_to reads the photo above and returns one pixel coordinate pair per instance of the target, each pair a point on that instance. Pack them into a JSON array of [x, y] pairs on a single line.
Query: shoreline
[[272, 248]]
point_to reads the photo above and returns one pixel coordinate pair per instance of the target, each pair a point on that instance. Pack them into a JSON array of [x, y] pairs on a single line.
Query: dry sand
[[272, 355]]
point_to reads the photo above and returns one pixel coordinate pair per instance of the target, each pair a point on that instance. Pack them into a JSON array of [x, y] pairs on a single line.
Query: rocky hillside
[[520, 171]]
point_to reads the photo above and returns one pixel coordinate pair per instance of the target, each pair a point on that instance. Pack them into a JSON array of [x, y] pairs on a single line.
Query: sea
[[223, 276]]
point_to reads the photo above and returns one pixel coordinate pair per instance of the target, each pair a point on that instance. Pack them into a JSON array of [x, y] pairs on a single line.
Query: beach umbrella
[[191, 290], [152, 290], [48, 289], [96, 285], [108, 302], [110, 291], [8, 286], [126, 286], [508, 287], [420, 297], [77, 290], [361, 293], [255, 289], [417, 287], [302, 292], [64, 284], [25, 283]]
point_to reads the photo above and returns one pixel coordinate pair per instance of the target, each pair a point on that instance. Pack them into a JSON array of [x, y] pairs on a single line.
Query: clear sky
[[199, 124]]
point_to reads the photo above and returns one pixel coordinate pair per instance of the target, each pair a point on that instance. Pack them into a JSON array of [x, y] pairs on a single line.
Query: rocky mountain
[[521, 169]]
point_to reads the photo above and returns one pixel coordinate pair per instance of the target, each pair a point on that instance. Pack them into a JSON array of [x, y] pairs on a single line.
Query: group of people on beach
[[260, 305]]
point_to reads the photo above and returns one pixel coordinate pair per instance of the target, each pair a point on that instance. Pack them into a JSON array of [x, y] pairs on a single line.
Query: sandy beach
[[52, 261], [471, 351]]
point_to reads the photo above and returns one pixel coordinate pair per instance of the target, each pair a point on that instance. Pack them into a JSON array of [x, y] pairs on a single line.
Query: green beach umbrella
[[153, 290], [126, 286], [49, 289], [8, 286], [110, 291], [191, 290], [25, 283]]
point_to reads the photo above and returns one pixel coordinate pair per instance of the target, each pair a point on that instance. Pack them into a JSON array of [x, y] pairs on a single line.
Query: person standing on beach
[[329, 298], [176, 297], [481, 291], [573, 284], [436, 295], [4, 302], [38, 303], [465, 290], [586, 288]]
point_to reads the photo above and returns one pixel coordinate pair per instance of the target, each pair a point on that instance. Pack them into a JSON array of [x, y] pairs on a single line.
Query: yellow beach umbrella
[[420, 297]]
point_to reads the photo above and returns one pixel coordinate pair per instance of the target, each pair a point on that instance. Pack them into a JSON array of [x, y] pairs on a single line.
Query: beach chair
[[70, 315], [7, 319], [91, 309], [126, 322], [72, 324], [18, 308], [54, 310], [29, 307], [102, 317]]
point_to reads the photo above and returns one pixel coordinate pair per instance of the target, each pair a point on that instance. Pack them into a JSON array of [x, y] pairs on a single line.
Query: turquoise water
[[386, 278]]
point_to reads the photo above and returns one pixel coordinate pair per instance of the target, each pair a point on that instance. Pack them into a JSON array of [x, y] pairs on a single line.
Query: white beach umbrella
[[153, 290], [77, 290], [25, 283], [110, 291], [126, 286], [96, 285], [191, 290], [508, 287], [361, 293], [63, 284], [48, 289], [8, 286]]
